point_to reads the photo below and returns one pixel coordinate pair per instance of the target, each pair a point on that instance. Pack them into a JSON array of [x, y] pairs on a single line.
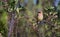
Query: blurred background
[[29, 18]]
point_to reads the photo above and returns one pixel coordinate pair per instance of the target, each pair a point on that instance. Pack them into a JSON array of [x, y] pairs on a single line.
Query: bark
[[11, 21]]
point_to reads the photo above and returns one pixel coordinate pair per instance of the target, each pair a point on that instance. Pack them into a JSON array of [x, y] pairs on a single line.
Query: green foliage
[[26, 17], [3, 24]]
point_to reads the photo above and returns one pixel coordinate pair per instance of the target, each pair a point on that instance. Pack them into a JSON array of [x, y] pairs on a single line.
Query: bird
[[40, 16]]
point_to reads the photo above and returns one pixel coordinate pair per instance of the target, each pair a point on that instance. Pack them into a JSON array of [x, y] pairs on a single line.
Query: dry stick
[[14, 31], [11, 24], [18, 32], [15, 28], [11, 21], [18, 29]]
